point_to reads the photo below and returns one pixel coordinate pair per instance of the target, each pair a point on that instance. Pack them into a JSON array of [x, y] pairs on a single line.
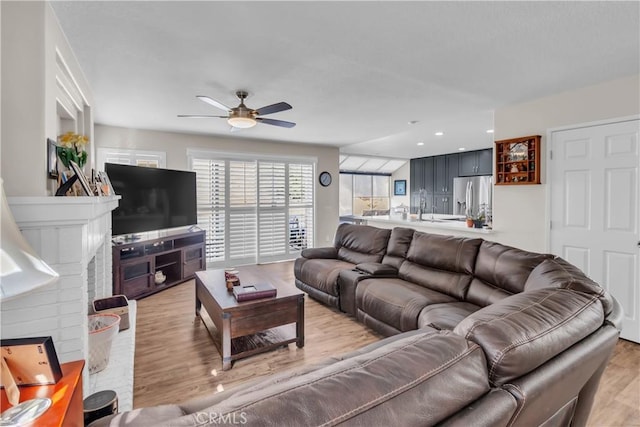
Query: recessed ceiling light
[[413, 122], [439, 133], [420, 143], [490, 131], [461, 149]]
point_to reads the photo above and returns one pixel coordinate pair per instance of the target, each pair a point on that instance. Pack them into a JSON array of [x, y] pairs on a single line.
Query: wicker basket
[[102, 329]]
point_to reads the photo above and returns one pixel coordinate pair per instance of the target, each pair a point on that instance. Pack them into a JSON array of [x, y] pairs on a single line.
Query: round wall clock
[[325, 179]]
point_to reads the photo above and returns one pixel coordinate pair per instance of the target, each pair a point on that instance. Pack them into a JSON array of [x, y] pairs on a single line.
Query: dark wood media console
[[177, 254]]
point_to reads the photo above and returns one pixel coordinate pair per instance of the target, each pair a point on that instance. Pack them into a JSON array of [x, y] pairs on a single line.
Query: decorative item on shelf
[[476, 219], [27, 361], [52, 159], [160, 277], [231, 278], [105, 184], [72, 147]]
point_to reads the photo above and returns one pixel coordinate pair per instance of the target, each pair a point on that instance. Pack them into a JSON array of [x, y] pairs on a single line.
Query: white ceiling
[[355, 72]]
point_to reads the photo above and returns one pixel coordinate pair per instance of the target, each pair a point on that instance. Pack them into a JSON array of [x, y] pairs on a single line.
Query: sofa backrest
[[523, 331], [408, 381], [500, 271], [398, 246], [441, 263], [361, 243], [558, 273]]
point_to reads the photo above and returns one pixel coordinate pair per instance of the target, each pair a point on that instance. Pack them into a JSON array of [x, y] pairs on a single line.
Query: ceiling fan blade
[[213, 102], [199, 116], [273, 122], [273, 108]]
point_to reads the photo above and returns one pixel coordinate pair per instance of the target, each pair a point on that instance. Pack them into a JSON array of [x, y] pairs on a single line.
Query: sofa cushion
[[558, 273], [396, 302], [446, 315], [523, 331], [321, 274], [448, 253], [409, 381], [398, 246], [442, 263], [505, 267], [361, 243]]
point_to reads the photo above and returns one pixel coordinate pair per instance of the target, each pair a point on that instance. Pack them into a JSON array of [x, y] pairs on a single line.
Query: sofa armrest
[[327, 253], [377, 269]]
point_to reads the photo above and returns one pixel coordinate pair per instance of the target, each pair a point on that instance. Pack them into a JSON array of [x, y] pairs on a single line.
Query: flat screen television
[[152, 198]]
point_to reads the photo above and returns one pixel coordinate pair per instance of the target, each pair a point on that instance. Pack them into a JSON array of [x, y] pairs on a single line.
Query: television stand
[[175, 256]]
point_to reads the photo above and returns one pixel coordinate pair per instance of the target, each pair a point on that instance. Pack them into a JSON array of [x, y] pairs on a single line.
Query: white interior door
[[594, 209]]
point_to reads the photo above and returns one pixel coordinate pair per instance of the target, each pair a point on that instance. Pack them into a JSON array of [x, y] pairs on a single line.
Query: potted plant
[[469, 215], [476, 219]]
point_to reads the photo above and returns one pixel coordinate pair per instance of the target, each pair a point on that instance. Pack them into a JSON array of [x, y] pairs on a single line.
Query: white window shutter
[[254, 211], [210, 193], [272, 213]]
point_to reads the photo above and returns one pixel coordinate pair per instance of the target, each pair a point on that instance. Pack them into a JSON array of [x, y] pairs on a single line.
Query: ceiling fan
[[242, 117]]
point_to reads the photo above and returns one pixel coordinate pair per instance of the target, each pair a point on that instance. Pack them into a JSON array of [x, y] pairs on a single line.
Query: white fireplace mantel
[[73, 235]]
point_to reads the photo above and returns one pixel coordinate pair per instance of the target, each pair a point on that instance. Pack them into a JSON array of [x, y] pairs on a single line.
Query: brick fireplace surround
[[73, 235]]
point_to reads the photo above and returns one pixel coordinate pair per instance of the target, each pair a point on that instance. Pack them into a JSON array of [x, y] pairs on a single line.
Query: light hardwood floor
[[176, 359]]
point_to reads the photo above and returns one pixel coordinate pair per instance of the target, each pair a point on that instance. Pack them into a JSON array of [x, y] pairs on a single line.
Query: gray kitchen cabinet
[[474, 163]]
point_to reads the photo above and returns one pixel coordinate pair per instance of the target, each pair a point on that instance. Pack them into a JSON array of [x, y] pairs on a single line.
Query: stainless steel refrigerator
[[473, 194]]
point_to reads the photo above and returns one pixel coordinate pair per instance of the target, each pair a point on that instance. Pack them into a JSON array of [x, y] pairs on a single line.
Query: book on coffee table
[[255, 291]]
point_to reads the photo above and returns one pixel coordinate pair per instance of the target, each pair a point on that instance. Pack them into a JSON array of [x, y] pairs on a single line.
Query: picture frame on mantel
[[84, 182], [400, 187], [52, 159]]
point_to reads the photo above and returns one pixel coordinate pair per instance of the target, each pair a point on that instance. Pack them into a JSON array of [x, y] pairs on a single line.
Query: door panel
[[621, 194], [577, 199], [619, 267], [593, 177]]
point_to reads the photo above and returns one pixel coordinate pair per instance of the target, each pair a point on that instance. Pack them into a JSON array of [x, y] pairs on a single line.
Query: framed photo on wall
[[400, 187]]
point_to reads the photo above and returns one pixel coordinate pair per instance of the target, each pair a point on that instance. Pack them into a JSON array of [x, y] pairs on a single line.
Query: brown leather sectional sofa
[[546, 330], [480, 334]]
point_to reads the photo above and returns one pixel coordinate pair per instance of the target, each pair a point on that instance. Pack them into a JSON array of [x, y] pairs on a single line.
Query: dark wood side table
[[66, 398], [249, 327]]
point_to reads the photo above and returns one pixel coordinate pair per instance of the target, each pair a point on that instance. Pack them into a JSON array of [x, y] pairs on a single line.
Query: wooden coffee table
[[247, 328]]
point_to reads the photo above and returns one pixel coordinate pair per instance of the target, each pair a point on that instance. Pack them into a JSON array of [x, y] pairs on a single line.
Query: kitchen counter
[[436, 224]]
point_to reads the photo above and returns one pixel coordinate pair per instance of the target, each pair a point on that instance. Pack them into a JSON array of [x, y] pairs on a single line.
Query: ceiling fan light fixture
[[242, 122]]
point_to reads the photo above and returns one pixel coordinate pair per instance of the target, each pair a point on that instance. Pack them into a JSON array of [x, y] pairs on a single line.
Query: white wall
[[401, 173], [30, 37], [521, 212], [176, 145]]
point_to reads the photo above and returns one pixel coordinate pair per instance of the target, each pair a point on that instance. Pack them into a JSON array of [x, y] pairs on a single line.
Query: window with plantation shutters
[[254, 210], [300, 206], [124, 156], [272, 211], [211, 204], [243, 216]]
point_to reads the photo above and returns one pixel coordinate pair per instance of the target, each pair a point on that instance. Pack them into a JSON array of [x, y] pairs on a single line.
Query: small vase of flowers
[[72, 147]]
